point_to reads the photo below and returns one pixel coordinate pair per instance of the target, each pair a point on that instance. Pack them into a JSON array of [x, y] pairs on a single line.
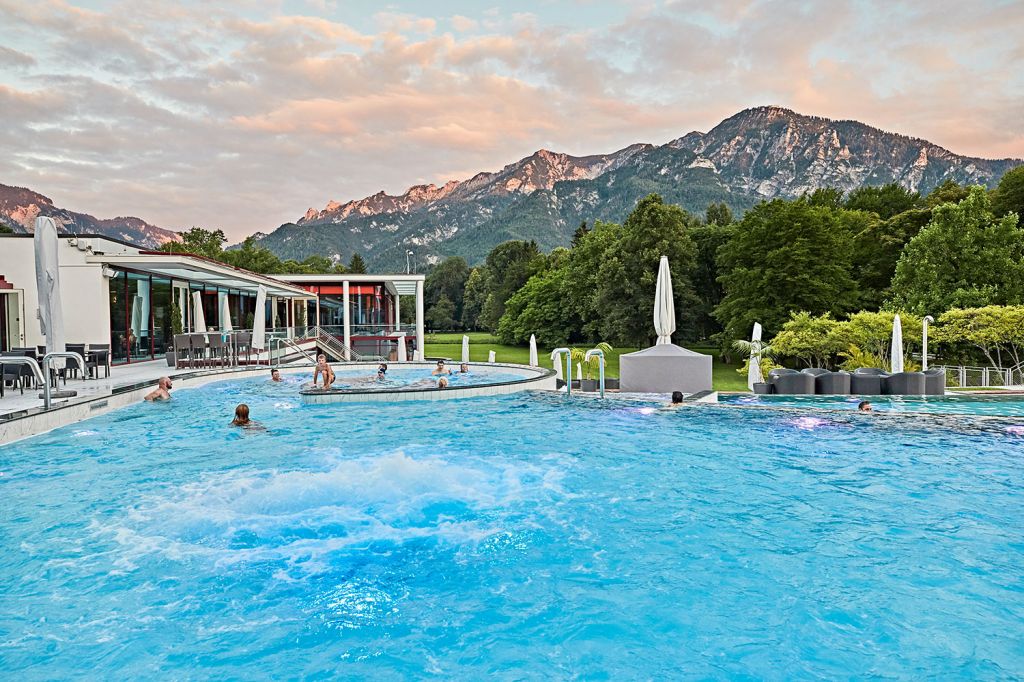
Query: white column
[[398, 313], [345, 315], [419, 320]]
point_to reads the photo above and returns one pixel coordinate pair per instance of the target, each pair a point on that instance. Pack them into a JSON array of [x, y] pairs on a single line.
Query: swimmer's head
[[677, 397]]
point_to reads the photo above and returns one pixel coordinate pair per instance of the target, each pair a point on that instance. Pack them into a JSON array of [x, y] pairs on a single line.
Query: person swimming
[[442, 383], [275, 375], [382, 372], [241, 416], [161, 392], [865, 406], [441, 370], [464, 368], [677, 399], [324, 368]]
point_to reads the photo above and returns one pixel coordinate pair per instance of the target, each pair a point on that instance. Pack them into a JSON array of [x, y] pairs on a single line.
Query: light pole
[[924, 341], [408, 266]]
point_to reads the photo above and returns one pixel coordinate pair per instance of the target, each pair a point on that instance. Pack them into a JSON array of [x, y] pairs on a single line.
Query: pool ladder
[[592, 353]]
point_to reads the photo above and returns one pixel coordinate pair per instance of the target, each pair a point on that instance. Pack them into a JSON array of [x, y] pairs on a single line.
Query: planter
[[590, 385], [611, 384], [170, 359], [762, 389]]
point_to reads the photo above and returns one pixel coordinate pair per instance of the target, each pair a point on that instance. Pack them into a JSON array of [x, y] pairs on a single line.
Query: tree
[[198, 242], [996, 331], [447, 278], [949, 192], [877, 245], [475, 294], [580, 233], [4, 229], [963, 258], [708, 239], [539, 308], [885, 201], [628, 275], [826, 197], [784, 257], [441, 315], [718, 214], [254, 258], [357, 266], [810, 339], [1009, 195], [508, 266]]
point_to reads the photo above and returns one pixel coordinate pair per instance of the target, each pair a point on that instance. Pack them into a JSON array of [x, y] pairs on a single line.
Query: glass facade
[[142, 313]]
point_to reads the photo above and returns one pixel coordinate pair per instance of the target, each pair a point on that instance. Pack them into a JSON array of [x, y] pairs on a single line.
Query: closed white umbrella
[[402, 352], [557, 366], [136, 323], [533, 351], [490, 357], [225, 314], [754, 366], [897, 345], [664, 305], [51, 312], [579, 371], [198, 317], [183, 306], [259, 321], [465, 348]]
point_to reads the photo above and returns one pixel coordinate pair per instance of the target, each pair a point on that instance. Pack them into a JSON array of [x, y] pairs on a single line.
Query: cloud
[[241, 115]]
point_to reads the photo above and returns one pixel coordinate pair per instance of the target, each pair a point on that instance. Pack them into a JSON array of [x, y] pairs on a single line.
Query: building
[[364, 311], [116, 293]]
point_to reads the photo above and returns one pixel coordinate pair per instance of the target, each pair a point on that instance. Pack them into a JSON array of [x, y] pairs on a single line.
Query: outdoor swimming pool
[[981, 405], [400, 378], [525, 536]]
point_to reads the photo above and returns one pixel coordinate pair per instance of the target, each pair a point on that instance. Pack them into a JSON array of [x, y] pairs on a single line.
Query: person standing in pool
[[441, 370], [275, 375], [677, 399], [324, 368], [161, 392]]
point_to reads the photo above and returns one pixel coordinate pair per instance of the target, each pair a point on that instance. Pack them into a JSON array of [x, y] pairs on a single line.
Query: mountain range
[[757, 154], [19, 208]]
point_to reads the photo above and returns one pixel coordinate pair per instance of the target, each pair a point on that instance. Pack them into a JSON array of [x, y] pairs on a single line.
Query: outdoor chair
[[71, 365], [867, 381], [243, 342], [935, 382], [197, 352], [829, 383], [182, 351], [791, 382], [16, 374], [99, 356], [218, 350], [904, 383]]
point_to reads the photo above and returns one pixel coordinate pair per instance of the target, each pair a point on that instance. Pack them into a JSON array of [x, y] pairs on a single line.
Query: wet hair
[[241, 414], [274, 371], [383, 367], [440, 362], [863, 404], [442, 383], [677, 397]]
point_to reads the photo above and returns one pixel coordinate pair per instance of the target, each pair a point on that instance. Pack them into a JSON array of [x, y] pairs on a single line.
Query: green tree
[[1009, 195], [441, 315], [810, 339], [539, 308], [826, 197], [996, 331], [477, 289], [885, 201], [198, 242], [949, 192], [357, 266], [877, 246], [584, 281], [718, 214], [580, 233], [508, 266], [708, 240], [963, 258], [447, 278], [628, 275], [784, 256], [253, 257], [4, 229]]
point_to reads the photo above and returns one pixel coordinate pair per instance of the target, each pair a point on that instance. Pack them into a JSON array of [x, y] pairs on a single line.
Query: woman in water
[[241, 416], [442, 383]]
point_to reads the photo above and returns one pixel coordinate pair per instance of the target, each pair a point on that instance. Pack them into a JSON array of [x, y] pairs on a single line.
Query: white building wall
[[83, 290]]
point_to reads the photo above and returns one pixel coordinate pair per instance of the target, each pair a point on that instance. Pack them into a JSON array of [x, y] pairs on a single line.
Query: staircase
[[335, 350]]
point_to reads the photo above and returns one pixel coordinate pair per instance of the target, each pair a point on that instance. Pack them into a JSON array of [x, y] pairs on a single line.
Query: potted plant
[[592, 367], [176, 328], [766, 363]]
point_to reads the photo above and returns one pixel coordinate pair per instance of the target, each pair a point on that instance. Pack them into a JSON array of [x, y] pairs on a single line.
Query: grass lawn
[[724, 377]]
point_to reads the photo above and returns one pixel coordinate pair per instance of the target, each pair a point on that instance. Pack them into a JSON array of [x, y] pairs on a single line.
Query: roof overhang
[[403, 285], [174, 266]]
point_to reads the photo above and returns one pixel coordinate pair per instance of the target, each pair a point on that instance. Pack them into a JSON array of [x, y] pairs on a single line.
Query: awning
[[402, 285], [181, 267]]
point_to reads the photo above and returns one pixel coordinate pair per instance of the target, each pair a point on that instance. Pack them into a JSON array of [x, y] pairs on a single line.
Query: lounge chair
[[935, 382], [867, 381], [791, 382], [829, 383], [904, 383]]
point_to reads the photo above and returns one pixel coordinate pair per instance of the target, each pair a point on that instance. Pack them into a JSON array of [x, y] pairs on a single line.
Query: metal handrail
[[568, 367], [46, 367], [294, 346], [597, 352], [331, 342], [23, 360]]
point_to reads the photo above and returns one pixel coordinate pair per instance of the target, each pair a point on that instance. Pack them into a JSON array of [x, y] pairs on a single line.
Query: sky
[[241, 115]]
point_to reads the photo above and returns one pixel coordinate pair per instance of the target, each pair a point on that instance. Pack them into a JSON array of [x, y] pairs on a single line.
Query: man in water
[[441, 370], [322, 367], [677, 399], [865, 406], [162, 390], [275, 375], [382, 371]]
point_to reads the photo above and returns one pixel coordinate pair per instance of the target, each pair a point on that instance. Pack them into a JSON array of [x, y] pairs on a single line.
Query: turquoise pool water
[[980, 405], [522, 537], [403, 378]]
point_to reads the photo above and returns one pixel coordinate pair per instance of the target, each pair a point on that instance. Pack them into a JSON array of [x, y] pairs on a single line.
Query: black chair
[[791, 382], [16, 373], [182, 351], [71, 365], [904, 383], [829, 383], [243, 342], [867, 381], [934, 382], [197, 352], [99, 356]]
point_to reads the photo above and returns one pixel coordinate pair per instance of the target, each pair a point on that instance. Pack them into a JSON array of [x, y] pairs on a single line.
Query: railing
[[962, 376], [281, 343], [46, 371], [568, 367], [599, 354], [370, 329], [332, 345]]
